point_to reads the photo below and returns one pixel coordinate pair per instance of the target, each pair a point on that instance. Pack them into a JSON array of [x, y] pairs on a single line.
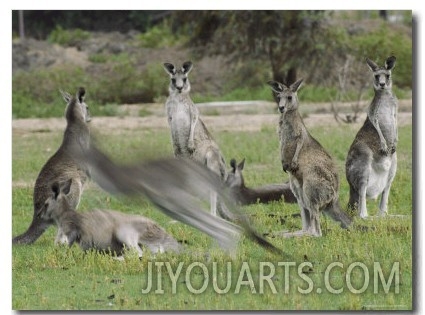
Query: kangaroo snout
[[281, 108]]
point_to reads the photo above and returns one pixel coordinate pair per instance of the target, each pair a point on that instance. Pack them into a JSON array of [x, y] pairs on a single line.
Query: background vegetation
[[248, 48]]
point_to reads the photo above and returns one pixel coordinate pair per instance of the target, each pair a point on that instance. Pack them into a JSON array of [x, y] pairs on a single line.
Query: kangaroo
[[371, 162], [313, 175], [62, 166], [189, 135], [103, 230], [263, 194], [180, 188]]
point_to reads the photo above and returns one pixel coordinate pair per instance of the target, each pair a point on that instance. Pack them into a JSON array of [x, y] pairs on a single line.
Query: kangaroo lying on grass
[[263, 194], [372, 159], [178, 187], [103, 230], [62, 166], [189, 135], [313, 175]]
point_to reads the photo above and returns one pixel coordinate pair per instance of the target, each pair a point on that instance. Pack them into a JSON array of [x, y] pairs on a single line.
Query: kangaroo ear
[[80, 94], [65, 187], [233, 165], [390, 63], [187, 66], [55, 189], [66, 96], [170, 68], [295, 86], [372, 65], [276, 86], [241, 165]]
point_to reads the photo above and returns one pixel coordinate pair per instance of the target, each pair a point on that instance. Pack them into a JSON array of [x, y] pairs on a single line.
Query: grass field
[[343, 270]]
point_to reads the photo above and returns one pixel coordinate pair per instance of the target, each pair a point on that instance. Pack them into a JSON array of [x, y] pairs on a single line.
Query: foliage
[[160, 36], [258, 46], [40, 23], [67, 37], [36, 93], [291, 44], [48, 277], [382, 43], [284, 39], [98, 58]]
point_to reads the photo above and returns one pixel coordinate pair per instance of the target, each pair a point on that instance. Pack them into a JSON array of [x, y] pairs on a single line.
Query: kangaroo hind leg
[[129, 237]]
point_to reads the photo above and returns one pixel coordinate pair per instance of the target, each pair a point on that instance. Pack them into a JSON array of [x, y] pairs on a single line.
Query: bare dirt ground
[[245, 116]]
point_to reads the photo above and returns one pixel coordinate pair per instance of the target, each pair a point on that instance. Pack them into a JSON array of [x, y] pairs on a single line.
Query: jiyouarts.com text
[[276, 277]]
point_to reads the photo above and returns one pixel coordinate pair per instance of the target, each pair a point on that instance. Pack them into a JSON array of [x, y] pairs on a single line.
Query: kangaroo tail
[[34, 231], [336, 213]]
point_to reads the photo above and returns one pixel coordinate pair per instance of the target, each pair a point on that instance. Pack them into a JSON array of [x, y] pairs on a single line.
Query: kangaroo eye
[[289, 97], [173, 81], [184, 80], [376, 77], [387, 76]]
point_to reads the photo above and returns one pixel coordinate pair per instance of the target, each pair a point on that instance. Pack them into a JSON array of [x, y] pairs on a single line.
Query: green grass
[[48, 277]]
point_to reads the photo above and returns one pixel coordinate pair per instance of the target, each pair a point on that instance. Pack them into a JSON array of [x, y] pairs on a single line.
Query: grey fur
[[190, 137], [62, 166], [371, 162], [104, 230], [179, 187], [313, 174], [263, 194]]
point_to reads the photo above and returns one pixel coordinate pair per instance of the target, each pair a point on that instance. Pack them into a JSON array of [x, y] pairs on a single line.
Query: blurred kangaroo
[[371, 162], [313, 175], [263, 194], [180, 188], [103, 230], [189, 135], [62, 166]]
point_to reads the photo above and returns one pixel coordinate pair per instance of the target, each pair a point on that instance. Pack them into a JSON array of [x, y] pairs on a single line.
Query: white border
[[6, 88]]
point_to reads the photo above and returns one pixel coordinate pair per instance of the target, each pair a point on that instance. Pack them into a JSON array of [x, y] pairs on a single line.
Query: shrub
[[160, 36], [36, 93], [98, 58], [380, 44], [67, 37]]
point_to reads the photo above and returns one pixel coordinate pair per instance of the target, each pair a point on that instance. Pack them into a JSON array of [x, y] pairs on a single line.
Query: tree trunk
[[383, 14], [21, 25], [291, 76]]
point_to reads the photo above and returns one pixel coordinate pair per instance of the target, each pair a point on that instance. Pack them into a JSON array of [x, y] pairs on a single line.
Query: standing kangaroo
[[372, 159], [263, 194], [313, 175], [189, 135], [62, 166], [103, 230]]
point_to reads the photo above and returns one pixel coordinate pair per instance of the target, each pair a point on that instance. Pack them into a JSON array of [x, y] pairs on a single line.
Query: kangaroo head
[[179, 81], [287, 98], [382, 75], [235, 178], [76, 107], [56, 203]]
